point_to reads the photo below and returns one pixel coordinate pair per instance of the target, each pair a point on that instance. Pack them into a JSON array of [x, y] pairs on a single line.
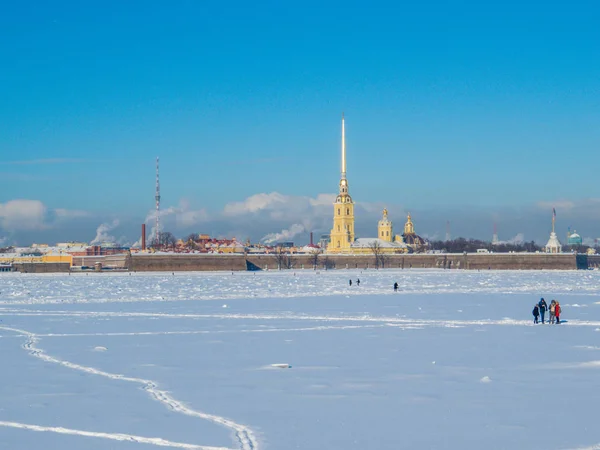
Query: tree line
[[461, 245]]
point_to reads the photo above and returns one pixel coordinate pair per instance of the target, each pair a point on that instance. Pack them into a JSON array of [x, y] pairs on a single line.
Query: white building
[[553, 245]]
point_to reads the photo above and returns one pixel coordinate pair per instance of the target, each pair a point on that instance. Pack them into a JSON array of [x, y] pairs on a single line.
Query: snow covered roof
[[366, 242], [309, 249]]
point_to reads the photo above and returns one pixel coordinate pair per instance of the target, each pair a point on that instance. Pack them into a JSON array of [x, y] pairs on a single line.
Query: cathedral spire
[[343, 149], [342, 233], [343, 180]]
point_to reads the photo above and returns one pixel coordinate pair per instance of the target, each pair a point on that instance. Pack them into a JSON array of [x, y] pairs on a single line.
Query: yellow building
[[384, 228], [8, 258], [342, 237], [53, 258], [384, 243], [409, 227], [342, 233], [15, 258]]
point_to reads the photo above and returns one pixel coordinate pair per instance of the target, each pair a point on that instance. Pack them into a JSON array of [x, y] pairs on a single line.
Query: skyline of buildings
[[342, 237]]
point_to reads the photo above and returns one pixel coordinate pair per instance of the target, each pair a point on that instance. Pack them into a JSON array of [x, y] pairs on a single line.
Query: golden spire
[[343, 180], [343, 149]]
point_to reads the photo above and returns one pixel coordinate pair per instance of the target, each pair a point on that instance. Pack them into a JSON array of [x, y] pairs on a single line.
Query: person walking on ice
[[396, 287], [552, 310], [543, 307], [350, 282], [358, 281], [536, 313], [557, 311]]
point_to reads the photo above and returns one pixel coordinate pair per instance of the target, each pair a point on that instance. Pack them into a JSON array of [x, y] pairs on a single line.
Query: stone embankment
[[508, 261], [239, 262], [39, 267]]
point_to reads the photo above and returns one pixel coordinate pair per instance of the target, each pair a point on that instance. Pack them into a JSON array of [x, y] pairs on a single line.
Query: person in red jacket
[[557, 311]]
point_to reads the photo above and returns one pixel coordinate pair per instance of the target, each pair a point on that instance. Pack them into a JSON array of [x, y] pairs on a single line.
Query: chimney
[[311, 238], [143, 237]]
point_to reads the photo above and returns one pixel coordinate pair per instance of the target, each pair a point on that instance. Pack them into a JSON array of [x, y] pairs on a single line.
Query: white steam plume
[[102, 232], [517, 240], [284, 235]]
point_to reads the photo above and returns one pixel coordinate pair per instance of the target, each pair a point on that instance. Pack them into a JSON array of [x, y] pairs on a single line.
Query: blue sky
[[464, 111]]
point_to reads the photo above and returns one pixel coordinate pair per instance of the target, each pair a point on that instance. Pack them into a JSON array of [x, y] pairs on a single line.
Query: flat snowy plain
[[451, 361]]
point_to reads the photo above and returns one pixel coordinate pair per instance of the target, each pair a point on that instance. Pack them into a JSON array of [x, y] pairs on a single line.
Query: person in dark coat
[[395, 287], [536, 313], [358, 281], [350, 282], [543, 307]]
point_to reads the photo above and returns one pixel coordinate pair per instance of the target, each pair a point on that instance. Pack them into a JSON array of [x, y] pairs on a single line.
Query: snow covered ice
[[193, 361]]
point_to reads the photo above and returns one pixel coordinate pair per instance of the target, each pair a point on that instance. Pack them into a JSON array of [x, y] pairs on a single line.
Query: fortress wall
[[507, 261], [238, 262], [186, 262], [496, 261], [521, 261], [60, 267], [593, 261]]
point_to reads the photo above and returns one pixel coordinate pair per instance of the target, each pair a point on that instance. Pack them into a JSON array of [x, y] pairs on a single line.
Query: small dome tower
[[384, 228]]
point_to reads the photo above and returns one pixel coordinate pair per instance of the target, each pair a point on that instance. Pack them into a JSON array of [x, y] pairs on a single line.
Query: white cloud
[[22, 215], [178, 216], [255, 203], [275, 211], [191, 218], [323, 199], [29, 215]]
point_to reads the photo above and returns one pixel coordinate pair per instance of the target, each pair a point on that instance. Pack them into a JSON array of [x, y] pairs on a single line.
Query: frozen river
[[451, 361]]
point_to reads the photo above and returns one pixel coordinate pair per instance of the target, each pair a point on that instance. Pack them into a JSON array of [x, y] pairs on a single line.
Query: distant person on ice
[[557, 311], [395, 287], [358, 281], [552, 311], [543, 307], [350, 282], [536, 313]]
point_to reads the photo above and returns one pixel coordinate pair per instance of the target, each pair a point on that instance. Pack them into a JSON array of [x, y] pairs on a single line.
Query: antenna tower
[[495, 235], [157, 205], [447, 230]]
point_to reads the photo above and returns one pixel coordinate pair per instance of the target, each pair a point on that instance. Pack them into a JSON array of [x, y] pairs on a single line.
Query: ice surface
[[452, 361]]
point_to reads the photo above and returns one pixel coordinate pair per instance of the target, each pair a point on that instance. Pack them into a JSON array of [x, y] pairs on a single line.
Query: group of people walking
[[540, 308]]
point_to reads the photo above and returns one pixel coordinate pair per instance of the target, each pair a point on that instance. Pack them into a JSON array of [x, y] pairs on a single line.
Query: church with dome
[[342, 237], [574, 239]]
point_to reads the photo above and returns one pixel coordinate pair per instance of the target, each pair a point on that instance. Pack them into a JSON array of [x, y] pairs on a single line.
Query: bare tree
[[165, 240], [380, 257], [314, 256], [190, 241], [283, 258], [328, 263]]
